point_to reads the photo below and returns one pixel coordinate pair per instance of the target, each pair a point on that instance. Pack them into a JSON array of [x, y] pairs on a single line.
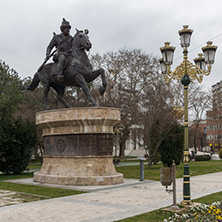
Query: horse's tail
[[33, 84]]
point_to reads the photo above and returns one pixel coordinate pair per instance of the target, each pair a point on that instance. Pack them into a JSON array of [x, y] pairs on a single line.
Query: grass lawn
[[38, 190], [34, 166], [158, 215], [19, 176], [196, 168]]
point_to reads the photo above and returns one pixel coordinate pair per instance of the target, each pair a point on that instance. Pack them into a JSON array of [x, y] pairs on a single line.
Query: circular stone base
[[80, 180], [78, 146], [78, 170]]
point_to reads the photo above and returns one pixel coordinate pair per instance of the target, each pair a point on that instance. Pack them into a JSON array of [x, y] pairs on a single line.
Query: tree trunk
[[122, 150], [194, 144]]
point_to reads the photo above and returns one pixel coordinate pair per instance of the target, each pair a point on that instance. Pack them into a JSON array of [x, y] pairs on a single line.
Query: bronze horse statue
[[78, 72]]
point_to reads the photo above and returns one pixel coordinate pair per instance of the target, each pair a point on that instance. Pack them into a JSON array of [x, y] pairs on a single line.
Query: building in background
[[217, 96], [214, 119], [214, 129]]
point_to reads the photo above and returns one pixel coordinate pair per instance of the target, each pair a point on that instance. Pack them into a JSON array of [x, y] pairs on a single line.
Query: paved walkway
[[107, 203]]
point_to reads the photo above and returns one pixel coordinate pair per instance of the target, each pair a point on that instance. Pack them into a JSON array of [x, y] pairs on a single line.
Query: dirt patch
[[8, 198]]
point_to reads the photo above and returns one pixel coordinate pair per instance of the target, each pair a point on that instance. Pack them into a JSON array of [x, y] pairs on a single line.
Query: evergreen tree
[[17, 137], [171, 147], [10, 96]]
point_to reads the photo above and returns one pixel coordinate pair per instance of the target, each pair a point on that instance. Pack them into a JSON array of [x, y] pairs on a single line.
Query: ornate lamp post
[[186, 72], [117, 130]]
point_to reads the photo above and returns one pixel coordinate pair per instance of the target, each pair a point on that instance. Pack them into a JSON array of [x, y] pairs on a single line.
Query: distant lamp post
[[114, 73], [117, 130], [186, 72]]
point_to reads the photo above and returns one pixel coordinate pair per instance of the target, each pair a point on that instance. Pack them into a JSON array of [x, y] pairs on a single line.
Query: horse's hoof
[[101, 91]]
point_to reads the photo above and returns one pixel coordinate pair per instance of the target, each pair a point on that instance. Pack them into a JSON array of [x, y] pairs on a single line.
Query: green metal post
[[186, 175]]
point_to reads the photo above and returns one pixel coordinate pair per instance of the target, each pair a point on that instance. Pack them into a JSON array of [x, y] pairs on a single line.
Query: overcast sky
[[27, 26]]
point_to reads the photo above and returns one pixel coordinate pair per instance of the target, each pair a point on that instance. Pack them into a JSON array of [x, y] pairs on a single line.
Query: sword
[[46, 59]]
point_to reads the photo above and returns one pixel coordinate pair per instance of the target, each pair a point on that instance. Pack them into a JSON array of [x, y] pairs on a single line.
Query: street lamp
[[186, 72], [117, 130]]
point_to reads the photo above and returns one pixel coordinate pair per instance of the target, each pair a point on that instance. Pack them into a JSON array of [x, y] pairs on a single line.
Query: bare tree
[[158, 117], [201, 101], [137, 88], [130, 73]]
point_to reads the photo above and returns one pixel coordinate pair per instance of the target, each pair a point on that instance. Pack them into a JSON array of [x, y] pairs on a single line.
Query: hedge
[[202, 157]]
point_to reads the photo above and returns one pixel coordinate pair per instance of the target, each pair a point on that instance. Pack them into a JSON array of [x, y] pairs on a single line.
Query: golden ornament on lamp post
[[186, 72]]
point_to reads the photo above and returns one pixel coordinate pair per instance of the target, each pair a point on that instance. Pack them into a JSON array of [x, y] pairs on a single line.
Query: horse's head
[[81, 40]]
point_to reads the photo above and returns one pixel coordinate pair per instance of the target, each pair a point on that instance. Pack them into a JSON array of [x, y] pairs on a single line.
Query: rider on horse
[[63, 43], [78, 71]]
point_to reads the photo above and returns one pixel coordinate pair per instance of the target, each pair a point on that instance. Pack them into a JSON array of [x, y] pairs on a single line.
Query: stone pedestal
[[78, 146]]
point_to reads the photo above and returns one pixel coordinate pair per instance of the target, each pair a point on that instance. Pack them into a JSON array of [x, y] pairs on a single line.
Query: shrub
[[220, 153], [17, 139], [202, 157]]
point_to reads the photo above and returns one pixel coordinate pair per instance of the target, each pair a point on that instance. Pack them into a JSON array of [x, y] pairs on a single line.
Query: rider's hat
[[65, 24]]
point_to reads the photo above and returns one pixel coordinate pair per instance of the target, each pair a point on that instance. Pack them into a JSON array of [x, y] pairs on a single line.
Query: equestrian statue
[[71, 66]]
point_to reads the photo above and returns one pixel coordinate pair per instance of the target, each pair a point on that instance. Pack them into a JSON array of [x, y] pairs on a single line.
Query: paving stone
[[108, 203]]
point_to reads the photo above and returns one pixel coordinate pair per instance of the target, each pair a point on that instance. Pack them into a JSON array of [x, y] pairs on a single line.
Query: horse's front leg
[[82, 83], [94, 75], [102, 88]]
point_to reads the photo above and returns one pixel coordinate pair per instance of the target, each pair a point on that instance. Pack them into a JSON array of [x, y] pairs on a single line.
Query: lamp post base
[[186, 202]]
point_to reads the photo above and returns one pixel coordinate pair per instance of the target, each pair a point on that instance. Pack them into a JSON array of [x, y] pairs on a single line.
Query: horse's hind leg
[[82, 83], [60, 91], [33, 84], [46, 89]]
